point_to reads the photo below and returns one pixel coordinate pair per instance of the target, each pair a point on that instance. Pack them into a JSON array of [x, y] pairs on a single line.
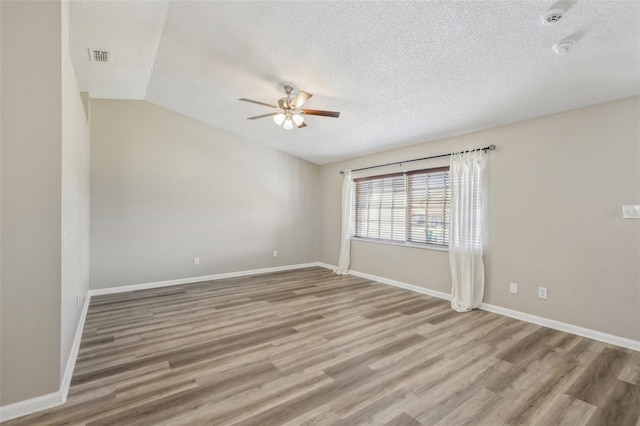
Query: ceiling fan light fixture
[[288, 111], [278, 118], [298, 119]]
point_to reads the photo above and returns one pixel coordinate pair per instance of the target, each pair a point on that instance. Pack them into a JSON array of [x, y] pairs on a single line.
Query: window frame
[[407, 213]]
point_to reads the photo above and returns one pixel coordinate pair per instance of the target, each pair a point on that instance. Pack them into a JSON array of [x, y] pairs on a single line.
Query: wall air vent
[[99, 55]]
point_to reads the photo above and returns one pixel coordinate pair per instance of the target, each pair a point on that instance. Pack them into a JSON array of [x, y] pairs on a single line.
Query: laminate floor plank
[[565, 410], [403, 419], [621, 406], [595, 383], [308, 347], [253, 401], [466, 414]]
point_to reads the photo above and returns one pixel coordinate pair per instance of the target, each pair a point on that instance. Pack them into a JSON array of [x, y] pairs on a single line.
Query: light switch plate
[[631, 212]]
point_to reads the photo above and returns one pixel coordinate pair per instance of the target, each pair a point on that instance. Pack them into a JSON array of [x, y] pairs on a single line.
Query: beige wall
[[31, 200], [166, 188], [556, 185], [75, 199]]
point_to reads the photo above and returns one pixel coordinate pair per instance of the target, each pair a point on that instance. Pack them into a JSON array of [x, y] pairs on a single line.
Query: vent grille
[[552, 16], [99, 55]]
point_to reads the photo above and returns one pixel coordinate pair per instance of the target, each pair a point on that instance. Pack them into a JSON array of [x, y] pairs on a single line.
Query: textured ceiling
[[399, 72]]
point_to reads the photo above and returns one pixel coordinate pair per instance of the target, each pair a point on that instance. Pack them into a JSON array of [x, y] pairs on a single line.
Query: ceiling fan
[[288, 111]]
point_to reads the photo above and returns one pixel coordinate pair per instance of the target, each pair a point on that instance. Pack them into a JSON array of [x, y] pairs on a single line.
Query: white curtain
[[347, 224], [465, 238]]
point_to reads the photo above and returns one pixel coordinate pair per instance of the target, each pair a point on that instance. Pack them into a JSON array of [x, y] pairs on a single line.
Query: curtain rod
[[486, 148]]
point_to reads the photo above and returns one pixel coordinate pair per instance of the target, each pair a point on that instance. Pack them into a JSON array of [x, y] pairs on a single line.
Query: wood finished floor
[[309, 347]]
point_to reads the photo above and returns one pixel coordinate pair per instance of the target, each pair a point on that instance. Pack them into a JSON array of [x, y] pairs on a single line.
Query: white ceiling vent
[[552, 16], [99, 55]]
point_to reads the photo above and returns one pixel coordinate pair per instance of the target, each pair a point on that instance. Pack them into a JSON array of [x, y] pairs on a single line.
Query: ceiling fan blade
[[301, 98], [263, 115], [303, 124], [333, 114], [256, 102]]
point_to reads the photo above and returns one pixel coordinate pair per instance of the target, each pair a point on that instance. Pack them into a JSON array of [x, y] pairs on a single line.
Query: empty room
[[320, 213]]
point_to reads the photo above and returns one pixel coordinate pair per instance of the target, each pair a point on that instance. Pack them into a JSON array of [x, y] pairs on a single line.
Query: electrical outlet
[[196, 261], [275, 253], [513, 288], [631, 212], [542, 293]]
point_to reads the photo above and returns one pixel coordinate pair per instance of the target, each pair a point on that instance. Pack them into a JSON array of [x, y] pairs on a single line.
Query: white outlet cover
[[631, 212], [542, 293], [513, 288]]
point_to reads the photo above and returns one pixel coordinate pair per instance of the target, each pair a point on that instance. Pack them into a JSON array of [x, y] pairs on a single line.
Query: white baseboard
[[563, 326], [534, 319], [75, 348], [325, 265], [429, 292], [30, 406], [157, 284], [44, 402]]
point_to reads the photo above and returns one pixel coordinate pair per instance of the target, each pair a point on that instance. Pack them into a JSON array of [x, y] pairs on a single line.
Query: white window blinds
[[381, 203], [411, 207], [429, 201]]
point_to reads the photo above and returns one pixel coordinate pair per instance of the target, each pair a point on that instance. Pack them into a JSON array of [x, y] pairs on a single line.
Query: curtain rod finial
[[492, 147]]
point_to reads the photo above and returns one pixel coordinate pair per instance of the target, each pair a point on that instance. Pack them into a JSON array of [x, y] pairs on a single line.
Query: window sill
[[402, 244]]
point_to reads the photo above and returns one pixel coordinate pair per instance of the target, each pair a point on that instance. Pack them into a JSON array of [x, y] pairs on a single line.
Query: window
[[381, 207], [428, 206], [408, 207]]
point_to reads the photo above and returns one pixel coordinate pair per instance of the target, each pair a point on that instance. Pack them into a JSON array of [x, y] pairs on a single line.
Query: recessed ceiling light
[[551, 17]]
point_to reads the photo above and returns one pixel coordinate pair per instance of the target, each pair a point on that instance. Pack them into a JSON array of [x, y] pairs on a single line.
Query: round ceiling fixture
[[551, 17], [563, 46]]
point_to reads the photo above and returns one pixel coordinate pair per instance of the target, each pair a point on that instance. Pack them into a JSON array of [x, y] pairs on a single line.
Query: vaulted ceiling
[[399, 72]]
